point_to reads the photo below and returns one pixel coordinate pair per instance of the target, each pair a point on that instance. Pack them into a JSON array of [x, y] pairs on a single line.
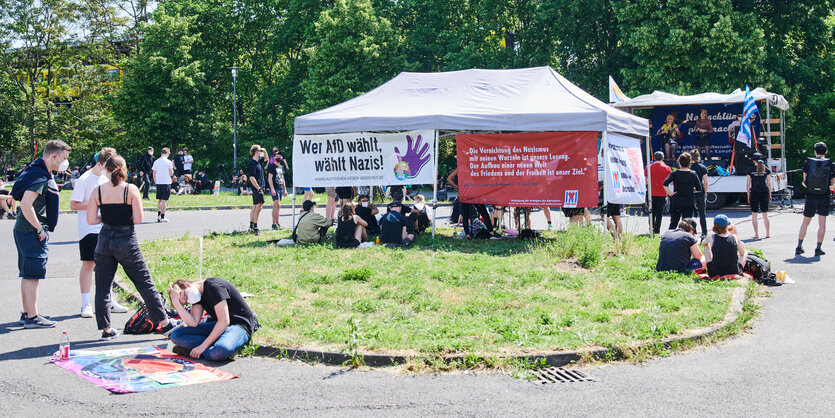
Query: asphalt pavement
[[783, 366]]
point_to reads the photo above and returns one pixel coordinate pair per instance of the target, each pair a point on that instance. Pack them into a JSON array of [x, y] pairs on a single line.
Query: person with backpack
[[394, 227], [759, 194], [682, 197], [818, 178], [725, 254]]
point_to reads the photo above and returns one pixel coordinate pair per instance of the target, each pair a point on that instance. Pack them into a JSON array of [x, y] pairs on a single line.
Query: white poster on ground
[[363, 158], [624, 167]]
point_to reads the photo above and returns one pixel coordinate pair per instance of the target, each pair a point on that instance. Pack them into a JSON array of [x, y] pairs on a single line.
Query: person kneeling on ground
[[350, 231], [394, 227], [724, 252], [230, 325], [312, 227], [677, 246]]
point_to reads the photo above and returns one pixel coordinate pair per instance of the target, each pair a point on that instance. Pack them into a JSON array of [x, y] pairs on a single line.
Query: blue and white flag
[[748, 109]]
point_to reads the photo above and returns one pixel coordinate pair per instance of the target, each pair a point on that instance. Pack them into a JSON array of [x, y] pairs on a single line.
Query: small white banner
[[625, 179], [362, 159]]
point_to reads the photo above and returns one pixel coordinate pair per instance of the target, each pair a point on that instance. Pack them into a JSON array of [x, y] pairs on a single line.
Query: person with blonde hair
[[121, 208], [758, 188]]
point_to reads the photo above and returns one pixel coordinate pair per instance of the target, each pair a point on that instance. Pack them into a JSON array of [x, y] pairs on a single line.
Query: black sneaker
[[275, 227], [172, 325], [254, 231], [107, 336], [819, 252], [798, 251], [38, 322], [181, 351], [23, 318]]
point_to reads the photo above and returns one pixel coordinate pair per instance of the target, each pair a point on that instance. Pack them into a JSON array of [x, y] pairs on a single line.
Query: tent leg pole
[[435, 187]]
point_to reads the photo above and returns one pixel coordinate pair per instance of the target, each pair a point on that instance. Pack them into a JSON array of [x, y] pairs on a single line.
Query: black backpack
[[140, 322], [760, 270], [817, 179]]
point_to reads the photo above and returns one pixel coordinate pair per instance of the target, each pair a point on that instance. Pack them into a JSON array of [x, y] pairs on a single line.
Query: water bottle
[[64, 347]]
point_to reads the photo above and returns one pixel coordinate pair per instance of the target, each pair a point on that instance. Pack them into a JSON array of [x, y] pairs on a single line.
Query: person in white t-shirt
[[88, 235], [188, 160], [163, 169]]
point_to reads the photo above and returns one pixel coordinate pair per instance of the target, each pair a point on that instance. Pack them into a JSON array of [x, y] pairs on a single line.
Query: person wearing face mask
[[231, 321], [275, 181], [368, 212], [121, 209], [37, 193], [256, 184]]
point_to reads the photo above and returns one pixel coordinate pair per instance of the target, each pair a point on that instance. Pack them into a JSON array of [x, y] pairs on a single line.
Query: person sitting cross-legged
[[311, 227], [395, 228], [231, 322]]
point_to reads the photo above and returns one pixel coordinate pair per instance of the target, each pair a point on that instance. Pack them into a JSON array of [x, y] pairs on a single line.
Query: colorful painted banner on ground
[[721, 116], [553, 169], [363, 159], [625, 182], [139, 369]]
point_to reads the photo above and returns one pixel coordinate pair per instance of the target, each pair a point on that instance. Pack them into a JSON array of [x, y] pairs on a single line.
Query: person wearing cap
[[725, 253], [394, 227], [312, 227], [818, 178], [759, 194], [659, 171], [145, 165], [678, 246]]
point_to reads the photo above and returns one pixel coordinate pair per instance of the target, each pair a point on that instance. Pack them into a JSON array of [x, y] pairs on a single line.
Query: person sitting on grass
[[312, 227], [724, 252], [368, 212], [231, 321], [350, 231], [7, 203], [677, 246], [395, 228]]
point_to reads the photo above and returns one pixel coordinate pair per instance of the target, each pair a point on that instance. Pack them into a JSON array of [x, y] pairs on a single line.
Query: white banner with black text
[[624, 181]]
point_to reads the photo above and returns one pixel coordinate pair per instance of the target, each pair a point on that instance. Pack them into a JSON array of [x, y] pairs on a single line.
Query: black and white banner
[[361, 159], [625, 181]]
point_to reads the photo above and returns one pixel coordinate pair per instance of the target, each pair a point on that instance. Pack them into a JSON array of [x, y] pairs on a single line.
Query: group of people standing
[[108, 208], [261, 180]]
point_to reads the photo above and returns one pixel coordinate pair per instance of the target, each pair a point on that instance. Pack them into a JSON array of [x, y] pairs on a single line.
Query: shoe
[[11, 216], [172, 325], [87, 311], [38, 322], [163, 220], [107, 336], [819, 252], [798, 251], [254, 231], [275, 227], [23, 317], [116, 307], [549, 227], [181, 351]]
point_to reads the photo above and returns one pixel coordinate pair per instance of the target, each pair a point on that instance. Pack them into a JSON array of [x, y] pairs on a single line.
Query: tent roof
[[527, 99], [660, 98]]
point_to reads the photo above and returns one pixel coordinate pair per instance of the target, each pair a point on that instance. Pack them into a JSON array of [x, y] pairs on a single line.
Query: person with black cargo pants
[[121, 208], [699, 196]]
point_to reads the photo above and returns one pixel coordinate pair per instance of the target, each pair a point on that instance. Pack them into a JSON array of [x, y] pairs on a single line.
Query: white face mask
[[364, 204], [193, 295], [263, 155], [64, 166]]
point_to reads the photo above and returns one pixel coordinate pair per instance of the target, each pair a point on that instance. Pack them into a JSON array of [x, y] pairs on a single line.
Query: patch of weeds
[[359, 274], [602, 317], [356, 358], [249, 349], [365, 306]]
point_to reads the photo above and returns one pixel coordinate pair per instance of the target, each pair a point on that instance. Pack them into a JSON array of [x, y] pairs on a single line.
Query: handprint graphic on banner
[[410, 164]]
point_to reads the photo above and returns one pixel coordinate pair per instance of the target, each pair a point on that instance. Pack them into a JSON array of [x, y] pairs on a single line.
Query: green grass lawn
[[223, 199], [453, 296]]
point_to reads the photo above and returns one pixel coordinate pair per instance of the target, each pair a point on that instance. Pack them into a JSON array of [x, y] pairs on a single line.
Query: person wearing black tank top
[[121, 207], [350, 231]]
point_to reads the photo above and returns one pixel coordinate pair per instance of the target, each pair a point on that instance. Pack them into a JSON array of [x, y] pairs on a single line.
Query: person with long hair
[[758, 188], [724, 251], [703, 127], [350, 231], [669, 133], [121, 208]]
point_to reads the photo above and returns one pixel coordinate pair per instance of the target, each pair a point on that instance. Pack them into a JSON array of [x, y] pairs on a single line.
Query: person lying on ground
[[725, 254], [368, 212], [312, 227], [678, 246], [231, 321], [350, 231], [394, 227]]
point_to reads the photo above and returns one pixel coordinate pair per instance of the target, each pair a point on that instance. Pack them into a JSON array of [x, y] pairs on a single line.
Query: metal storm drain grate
[[559, 375]]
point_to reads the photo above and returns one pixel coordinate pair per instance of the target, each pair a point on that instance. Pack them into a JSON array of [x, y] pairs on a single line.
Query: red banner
[[553, 169]]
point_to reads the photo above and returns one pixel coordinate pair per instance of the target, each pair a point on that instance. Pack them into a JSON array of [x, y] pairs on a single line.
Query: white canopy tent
[[520, 100], [660, 98]]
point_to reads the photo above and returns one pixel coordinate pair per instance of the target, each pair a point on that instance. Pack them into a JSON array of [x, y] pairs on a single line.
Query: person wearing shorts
[[163, 170], [330, 208], [575, 215], [39, 202], [817, 202], [88, 235], [613, 222], [256, 184], [275, 181], [759, 194]]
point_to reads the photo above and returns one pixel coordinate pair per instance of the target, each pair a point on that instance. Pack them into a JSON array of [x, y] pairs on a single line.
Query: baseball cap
[[692, 223], [395, 204], [308, 204], [721, 221], [757, 157]]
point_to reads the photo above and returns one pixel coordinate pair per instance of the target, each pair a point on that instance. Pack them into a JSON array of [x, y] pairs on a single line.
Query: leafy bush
[[362, 274]]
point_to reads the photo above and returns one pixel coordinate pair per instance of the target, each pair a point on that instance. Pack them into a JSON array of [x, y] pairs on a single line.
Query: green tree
[[353, 51], [162, 101]]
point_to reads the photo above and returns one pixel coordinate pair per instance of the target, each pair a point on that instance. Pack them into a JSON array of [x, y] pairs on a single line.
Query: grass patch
[[481, 299]]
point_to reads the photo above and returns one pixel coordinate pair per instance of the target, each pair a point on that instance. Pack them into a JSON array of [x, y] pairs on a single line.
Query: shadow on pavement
[[46, 351], [799, 259]]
